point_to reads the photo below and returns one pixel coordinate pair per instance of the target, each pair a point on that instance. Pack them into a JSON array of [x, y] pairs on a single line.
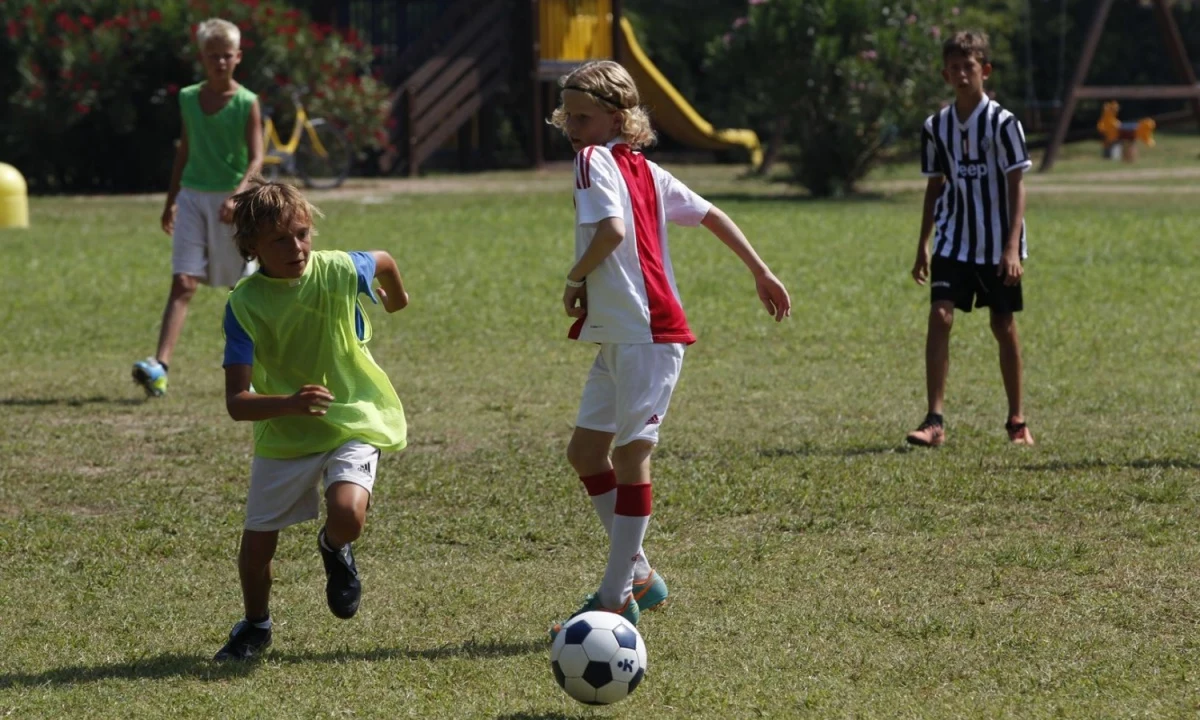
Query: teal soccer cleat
[[650, 592], [591, 603], [152, 376]]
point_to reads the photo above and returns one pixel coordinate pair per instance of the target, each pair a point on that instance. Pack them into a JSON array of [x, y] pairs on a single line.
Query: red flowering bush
[[91, 85]]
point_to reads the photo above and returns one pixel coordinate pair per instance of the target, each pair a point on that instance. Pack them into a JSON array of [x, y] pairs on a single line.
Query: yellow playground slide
[[672, 113]]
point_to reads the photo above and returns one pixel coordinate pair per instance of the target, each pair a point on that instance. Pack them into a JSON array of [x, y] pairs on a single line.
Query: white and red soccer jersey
[[631, 296]]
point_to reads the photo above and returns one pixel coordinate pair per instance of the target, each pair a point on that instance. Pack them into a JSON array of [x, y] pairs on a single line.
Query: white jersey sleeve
[[680, 205], [598, 186], [1014, 154]]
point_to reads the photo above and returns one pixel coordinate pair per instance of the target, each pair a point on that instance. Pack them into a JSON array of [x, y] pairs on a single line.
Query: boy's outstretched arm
[[771, 292], [933, 190], [391, 286], [254, 147], [243, 404], [609, 234], [1010, 263], [181, 157]]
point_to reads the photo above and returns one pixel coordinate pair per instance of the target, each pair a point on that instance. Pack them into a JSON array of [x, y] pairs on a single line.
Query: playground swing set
[[1120, 139]]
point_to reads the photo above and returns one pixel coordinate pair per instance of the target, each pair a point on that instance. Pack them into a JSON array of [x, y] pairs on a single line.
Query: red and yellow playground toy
[[1127, 134]]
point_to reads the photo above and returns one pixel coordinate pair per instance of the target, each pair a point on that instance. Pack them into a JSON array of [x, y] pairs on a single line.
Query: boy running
[[297, 364]]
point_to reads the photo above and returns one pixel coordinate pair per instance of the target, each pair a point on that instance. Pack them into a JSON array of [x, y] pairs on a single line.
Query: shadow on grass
[[71, 402], [808, 450], [536, 716], [773, 196], [1100, 464], [171, 665]]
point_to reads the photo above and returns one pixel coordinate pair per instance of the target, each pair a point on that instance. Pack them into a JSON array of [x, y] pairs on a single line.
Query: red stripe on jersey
[[587, 166], [576, 328], [579, 171], [668, 324]]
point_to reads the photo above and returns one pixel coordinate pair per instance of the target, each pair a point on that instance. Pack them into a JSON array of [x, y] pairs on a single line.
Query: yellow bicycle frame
[[276, 150]]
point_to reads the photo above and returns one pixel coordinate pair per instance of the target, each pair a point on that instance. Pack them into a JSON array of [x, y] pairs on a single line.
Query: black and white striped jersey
[[971, 218]]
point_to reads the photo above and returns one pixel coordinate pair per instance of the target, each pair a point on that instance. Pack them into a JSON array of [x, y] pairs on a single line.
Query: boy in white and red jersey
[[622, 293]]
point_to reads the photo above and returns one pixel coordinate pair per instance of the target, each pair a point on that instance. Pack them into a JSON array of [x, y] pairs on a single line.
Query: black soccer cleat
[[246, 642], [342, 588]]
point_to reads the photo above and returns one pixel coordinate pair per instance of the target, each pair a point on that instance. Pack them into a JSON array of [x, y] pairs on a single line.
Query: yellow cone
[[14, 198]]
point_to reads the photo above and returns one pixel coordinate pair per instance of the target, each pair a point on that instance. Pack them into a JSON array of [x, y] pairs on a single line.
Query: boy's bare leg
[[254, 568], [588, 452], [632, 462], [183, 287], [347, 506], [1004, 327], [937, 354]]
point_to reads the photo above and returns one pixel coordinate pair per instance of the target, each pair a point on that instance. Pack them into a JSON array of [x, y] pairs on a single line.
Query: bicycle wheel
[[324, 163]]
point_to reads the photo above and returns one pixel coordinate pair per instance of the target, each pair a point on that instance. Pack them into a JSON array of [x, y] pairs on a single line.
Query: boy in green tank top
[[220, 148], [297, 364]]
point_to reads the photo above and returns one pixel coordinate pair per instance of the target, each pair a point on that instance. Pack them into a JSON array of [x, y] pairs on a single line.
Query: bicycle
[[317, 151]]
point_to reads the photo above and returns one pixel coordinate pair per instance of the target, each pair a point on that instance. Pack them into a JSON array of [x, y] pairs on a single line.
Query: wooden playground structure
[[451, 60]]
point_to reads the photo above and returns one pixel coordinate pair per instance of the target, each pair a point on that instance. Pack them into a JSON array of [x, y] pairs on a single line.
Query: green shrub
[[92, 84], [839, 78]]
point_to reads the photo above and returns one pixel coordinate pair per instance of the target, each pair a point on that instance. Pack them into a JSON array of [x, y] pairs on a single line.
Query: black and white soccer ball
[[598, 658]]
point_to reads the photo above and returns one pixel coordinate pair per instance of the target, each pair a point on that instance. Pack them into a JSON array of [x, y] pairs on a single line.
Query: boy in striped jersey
[[621, 292], [973, 153]]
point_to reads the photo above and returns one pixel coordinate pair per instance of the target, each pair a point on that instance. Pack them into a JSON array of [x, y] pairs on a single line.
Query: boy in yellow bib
[[297, 364]]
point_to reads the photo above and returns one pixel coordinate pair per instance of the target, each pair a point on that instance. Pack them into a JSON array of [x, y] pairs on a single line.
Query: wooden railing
[[469, 53]]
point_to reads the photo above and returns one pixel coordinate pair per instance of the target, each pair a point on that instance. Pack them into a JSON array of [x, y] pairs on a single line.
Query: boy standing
[[973, 152], [297, 364], [622, 293], [220, 149]]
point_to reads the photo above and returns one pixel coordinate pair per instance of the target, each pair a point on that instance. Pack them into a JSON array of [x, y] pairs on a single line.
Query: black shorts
[[966, 283]]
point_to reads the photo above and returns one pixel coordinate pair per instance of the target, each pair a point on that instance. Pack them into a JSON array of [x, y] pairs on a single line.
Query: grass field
[[819, 568]]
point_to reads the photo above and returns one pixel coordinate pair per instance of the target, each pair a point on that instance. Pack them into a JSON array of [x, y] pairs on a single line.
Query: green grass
[[819, 568]]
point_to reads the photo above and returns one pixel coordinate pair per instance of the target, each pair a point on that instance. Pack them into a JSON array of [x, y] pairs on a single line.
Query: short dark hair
[[968, 43]]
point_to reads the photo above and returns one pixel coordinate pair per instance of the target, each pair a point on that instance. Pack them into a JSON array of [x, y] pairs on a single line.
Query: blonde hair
[[266, 207], [218, 29], [612, 90]]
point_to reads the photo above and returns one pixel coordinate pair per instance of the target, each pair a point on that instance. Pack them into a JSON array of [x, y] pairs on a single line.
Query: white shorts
[[629, 388], [285, 492], [202, 245]]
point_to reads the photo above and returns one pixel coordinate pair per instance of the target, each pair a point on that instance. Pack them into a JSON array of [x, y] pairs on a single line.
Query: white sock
[[625, 543], [604, 505]]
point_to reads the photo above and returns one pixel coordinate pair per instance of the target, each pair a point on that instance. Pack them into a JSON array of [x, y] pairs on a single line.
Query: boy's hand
[[227, 211], [391, 304], [575, 301], [920, 270], [311, 400], [1010, 268], [168, 218], [774, 295]]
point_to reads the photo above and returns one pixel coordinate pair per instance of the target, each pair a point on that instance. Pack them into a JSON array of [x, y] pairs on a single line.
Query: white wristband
[[576, 283]]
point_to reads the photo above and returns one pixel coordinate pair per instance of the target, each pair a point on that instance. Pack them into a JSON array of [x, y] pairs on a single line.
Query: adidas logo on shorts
[[654, 420]]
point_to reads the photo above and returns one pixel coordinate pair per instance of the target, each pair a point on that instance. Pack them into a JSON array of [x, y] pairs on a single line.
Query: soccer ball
[[598, 658]]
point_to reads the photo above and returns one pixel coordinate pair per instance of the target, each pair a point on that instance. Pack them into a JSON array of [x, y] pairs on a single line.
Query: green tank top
[[304, 334], [217, 152]]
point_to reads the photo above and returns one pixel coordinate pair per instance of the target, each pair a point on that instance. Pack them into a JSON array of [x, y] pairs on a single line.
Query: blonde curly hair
[[612, 89], [266, 207]]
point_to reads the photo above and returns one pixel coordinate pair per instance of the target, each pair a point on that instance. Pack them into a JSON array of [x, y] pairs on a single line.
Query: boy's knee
[[586, 457], [258, 548], [632, 455], [184, 287], [1004, 325], [347, 507], [941, 316]]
